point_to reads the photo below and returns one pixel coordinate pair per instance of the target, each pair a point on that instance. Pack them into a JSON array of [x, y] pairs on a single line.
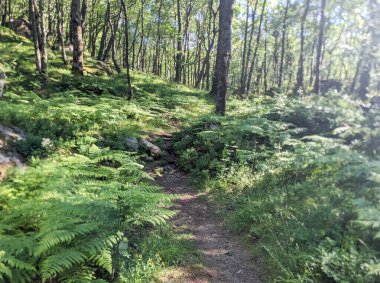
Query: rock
[[2, 82], [154, 150], [132, 144], [8, 158], [213, 126], [147, 158], [20, 26]]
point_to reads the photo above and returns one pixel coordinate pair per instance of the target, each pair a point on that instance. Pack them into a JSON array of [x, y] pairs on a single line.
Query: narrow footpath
[[224, 258]]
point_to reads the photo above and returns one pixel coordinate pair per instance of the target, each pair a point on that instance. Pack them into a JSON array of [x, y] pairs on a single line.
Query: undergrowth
[[299, 176], [83, 209]]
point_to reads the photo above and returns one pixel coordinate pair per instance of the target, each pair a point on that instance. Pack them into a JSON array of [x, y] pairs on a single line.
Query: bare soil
[[224, 258]]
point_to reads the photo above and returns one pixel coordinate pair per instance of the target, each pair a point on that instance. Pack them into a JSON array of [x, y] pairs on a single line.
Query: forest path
[[224, 258]]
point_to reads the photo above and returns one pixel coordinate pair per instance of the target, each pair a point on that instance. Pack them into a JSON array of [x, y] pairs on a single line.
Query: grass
[[71, 117]]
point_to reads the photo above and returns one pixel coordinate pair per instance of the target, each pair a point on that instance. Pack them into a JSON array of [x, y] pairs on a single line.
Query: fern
[[82, 209]]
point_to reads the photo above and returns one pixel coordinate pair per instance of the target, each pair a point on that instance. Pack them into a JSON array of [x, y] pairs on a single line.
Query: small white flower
[[47, 143]]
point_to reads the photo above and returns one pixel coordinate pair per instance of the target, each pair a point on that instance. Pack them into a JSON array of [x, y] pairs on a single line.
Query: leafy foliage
[[300, 177]]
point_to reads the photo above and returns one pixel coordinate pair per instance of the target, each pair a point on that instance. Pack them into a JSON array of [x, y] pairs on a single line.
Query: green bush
[[302, 177]]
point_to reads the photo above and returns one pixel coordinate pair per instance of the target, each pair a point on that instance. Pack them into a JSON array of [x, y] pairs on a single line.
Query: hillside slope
[[84, 209], [298, 178]]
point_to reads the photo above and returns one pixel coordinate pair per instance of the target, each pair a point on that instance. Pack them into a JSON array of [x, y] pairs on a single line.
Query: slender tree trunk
[[42, 42], [157, 56], [243, 57], [256, 47], [114, 27], [355, 78], [5, 13], [60, 29], [77, 37], [319, 48], [34, 24], [300, 72], [139, 57], [283, 38], [219, 86], [265, 60], [102, 45], [179, 44], [126, 58], [243, 81], [371, 49], [205, 69]]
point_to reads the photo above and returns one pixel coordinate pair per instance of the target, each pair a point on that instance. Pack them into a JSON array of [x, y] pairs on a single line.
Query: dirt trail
[[224, 258]]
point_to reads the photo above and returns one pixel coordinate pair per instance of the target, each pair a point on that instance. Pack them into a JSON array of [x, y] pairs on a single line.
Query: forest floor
[[224, 257]]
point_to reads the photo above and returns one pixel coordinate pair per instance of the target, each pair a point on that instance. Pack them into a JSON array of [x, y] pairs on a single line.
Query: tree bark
[[319, 48], [249, 79], [33, 21], [300, 73], [76, 22], [243, 57], [157, 56], [284, 24], [42, 42], [243, 80], [371, 49], [105, 31], [179, 44], [60, 29], [126, 57], [219, 86]]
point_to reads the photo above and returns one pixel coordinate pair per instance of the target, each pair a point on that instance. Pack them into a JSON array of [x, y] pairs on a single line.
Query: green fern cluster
[[69, 218], [301, 176]]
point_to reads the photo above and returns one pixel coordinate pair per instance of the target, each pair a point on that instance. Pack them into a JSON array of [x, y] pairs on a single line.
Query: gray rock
[[2, 82], [154, 150], [132, 144], [213, 126]]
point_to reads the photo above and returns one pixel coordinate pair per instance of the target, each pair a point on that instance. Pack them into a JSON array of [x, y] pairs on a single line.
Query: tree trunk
[[283, 43], [42, 42], [33, 21], [60, 29], [319, 47], [371, 49], [105, 31], [300, 72], [157, 56], [179, 44], [205, 69], [243, 57], [5, 13], [256, 48], [219, 85], [126, 58], [243, 81], [77, 37]]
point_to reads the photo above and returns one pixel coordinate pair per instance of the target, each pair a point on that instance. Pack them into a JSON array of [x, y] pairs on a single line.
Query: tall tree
[[42, 41], [33, 17], [60, 28], [103, 39], [223, 55], [370, 51], [77, 37], [179, 44], [126, 55], [321, 37], [244, 75], [283, 40], [254, 61], [300, 73]]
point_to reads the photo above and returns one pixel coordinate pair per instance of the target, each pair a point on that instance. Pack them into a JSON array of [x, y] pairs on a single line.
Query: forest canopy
[[115, 115]]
